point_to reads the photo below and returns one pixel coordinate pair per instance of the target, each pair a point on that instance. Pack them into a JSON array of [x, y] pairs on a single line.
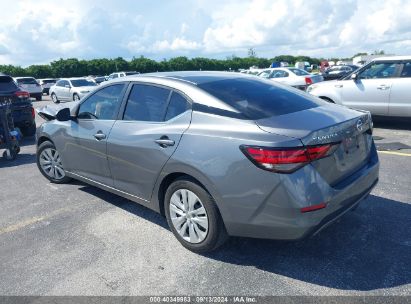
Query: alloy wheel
[[50, 163], [188, 215]]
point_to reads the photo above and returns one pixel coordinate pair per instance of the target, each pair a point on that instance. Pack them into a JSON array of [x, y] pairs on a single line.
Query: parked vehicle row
[[218, 154]]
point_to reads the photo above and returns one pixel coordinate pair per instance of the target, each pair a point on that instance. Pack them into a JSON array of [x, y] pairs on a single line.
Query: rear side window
[[7, 84], [257, 99], [177, 105], [146, 103], [406, 70]]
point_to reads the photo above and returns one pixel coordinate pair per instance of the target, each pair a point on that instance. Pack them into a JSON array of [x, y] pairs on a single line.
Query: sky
[[40, 31]]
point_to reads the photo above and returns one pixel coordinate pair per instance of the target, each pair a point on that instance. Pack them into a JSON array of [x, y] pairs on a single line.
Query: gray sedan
[[218, 154]]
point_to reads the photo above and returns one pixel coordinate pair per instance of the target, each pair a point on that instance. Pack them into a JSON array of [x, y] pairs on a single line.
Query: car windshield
[[7, 84], [26, 81], [131, 73], [257, 99], [299, 72], [82, 83]]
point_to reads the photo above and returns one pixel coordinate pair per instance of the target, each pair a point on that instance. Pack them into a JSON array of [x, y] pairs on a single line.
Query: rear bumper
[[279, 217]]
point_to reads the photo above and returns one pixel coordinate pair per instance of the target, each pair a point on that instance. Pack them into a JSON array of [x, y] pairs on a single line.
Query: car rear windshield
[[257, 99], [7, 84], [49, 81], [299, 72], [82, 83], [28, 80]]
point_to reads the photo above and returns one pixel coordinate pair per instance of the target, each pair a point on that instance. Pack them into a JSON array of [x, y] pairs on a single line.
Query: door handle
[[164, 142], [99, 135], [383, 87]]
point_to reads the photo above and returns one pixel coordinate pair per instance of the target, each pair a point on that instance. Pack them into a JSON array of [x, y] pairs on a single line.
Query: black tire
[[29, 131], [54, 98], [41, 148], [216, 235], [76, 97]]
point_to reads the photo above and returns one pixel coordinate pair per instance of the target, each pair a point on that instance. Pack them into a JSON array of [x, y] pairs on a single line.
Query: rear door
[[85, 143], [154, 120], [371, 90], [400, 97]]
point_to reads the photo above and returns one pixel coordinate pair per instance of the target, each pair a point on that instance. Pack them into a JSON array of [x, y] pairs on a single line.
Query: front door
[[139, 145], [86, 146], [371, 90]]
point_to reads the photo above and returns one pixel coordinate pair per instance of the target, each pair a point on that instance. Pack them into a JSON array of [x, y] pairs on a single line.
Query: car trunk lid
[[349, 129]]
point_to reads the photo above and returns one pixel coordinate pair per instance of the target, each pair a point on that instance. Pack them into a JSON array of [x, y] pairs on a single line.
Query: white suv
[[382, 87]]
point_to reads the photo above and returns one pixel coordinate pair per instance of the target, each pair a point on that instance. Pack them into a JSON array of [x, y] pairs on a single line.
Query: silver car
[[381, 87], [71, 89], [218, 154]]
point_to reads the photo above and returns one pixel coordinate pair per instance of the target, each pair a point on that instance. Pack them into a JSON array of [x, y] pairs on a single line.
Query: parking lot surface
[[75, 239]]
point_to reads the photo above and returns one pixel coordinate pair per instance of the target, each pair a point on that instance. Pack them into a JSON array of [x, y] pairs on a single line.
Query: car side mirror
[[354, 76], [63, 115]]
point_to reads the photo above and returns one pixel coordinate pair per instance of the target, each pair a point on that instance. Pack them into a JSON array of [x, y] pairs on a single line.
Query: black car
[[339, 71], [22, 108]]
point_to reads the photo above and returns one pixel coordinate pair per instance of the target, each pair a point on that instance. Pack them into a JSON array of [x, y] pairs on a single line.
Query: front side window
[[60, 83], [103, 104], [146, 103], [379, 70]]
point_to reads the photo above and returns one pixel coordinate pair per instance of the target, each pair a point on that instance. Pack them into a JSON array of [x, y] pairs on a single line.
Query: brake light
[[308, 81], [22, 94], [286, 160], [33, 113]]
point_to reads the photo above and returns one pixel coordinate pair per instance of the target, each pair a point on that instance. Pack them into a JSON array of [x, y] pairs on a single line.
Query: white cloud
[[39, 31]]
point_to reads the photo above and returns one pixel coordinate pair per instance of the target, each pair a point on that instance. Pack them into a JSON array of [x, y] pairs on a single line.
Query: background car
[[122, 74], [71, 89], [216, 153], [22, 108], [46, 84], [338, 71], [381, 87], [294, 77], [30, 85]]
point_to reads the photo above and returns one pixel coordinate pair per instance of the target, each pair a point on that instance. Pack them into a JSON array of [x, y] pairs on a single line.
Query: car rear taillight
[[308, 81], [286, 160], [33, 113], [22, 94]]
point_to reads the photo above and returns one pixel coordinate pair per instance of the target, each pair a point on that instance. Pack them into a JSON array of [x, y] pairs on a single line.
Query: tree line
[[72, 67]]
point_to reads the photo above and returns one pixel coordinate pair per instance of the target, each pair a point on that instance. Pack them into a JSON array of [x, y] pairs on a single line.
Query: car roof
[[195, 77], [24, 77], [392, 58]]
